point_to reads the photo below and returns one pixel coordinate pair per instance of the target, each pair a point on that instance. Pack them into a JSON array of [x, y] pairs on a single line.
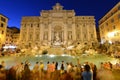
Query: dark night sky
[[15, 9]]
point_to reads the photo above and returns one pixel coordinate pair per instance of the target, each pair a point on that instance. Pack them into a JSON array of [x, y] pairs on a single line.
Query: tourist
[[75, 68], [48, 65], [48, 70], [41, 66], [110, 65], [36, 71], [69, 67], [2, 73], [53, 67], [66, 76], [3, 64], [87, 74], [101, 65], [105, 74], [19, 71], [41, 69], [12, 73], [77, 73], [62, 67], [94, 69], [26, 74], [36, 68], [56, 66]]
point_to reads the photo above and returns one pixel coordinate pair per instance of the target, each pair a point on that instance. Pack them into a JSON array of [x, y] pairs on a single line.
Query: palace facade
[[109, 25], [3, 28], [57, 27]]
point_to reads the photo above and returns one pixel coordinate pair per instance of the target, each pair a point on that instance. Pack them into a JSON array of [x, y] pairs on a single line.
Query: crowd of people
[[86, 71]]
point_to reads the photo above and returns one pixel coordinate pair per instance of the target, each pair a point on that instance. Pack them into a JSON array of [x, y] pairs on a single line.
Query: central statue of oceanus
[[57, 37], [57, 40]]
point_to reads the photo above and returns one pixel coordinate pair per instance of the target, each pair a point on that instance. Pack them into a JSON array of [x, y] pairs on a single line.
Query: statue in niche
[[46, 35], [70, 35], [57, 37]]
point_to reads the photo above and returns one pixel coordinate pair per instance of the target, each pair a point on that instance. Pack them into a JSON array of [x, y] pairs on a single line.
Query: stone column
[[95, 35], [41, 32], [62, 36], [50, 34], [28, 32], [81, 36], [65, 33], [88, 34], [73, 32], [34, 32]]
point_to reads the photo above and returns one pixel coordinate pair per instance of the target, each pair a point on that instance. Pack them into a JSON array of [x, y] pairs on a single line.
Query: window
[[83, 25], [38, 25], [30, 37], [114, 27], [2, 32], [2, 24], [24, 25], [70, 35], [106, 24], [77, 25], [70, 25], [118, 16], [45, 35], [102, 27], [118, 7], [3, 19], [31, 25], [46, 27], [78, 36], [111, 13], [84, 35], [69, 16], [106, 18], [91, 35], [112, 20], [37, 36]]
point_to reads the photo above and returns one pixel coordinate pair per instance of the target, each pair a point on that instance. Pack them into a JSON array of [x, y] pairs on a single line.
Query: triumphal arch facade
[[57, 27]]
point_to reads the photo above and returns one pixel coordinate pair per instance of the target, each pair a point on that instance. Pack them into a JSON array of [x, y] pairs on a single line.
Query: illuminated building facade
[[109, 25], [57, 27], [12, 35], [3, 27]]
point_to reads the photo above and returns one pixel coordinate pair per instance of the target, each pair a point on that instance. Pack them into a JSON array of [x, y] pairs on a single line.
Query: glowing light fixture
[[51, 55]]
